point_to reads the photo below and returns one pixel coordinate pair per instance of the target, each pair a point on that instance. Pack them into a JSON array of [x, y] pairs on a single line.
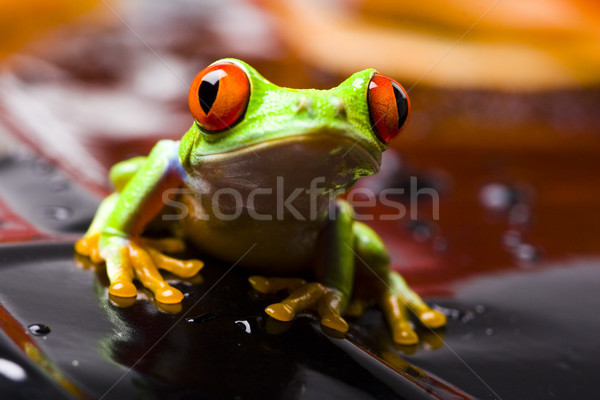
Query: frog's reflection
[[220, 344], [175, 353]]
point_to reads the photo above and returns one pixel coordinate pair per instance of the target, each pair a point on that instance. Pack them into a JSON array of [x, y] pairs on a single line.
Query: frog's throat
[[339, 158]]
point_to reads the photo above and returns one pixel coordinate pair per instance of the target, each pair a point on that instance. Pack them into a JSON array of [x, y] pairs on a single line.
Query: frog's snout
[[335, 105]]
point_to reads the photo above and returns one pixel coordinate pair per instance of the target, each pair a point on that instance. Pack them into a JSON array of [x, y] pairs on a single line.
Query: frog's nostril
[[305, 104], [340, 108]]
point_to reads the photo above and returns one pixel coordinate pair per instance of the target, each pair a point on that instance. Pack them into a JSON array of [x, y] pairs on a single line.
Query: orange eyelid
[[389, 107], [226, 93]]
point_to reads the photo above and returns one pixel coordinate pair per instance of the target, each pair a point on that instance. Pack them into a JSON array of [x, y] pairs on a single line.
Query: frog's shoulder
[[165, 154]]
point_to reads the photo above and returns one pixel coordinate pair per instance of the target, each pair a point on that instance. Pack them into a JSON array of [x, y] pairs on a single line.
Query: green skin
[[286, 138]]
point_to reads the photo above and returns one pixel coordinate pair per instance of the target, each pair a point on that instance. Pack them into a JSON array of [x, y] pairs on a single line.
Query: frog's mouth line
[[338, 147]]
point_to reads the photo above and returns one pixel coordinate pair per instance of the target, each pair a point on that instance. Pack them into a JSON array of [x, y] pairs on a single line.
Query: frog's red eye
[[388, 107], [219, 95]]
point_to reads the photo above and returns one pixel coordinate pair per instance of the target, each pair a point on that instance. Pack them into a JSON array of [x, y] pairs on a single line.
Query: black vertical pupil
[[207, 92], [401, 104]]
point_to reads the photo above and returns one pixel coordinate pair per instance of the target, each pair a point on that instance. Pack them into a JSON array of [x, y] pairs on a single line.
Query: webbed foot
[[129, 259], [313, 296], [397, 301]]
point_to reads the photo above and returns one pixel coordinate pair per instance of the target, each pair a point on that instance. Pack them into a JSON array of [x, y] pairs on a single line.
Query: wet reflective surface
[[102, 349], [509, 336]]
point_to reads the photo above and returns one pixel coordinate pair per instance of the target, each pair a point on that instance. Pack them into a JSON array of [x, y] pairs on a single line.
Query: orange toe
[[433, 319], [280, 311], [123, 289], [335, 322], [168, 295], [405, 336]]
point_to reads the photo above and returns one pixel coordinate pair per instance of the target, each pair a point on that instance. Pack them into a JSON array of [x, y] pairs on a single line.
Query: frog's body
[[287, 233], [255, 183]]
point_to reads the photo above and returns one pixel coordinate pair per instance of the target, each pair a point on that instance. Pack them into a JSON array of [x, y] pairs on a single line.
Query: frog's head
[[243, 119]]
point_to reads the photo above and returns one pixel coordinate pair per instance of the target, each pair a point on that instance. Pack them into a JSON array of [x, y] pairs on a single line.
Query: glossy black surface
[[112, 352], [522, 335], [512, 337]]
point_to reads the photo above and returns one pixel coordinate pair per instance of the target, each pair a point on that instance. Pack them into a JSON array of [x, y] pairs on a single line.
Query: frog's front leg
[[334, 269], [115, 234]]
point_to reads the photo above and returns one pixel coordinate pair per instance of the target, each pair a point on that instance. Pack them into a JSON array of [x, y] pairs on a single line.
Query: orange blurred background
[[515, 73]]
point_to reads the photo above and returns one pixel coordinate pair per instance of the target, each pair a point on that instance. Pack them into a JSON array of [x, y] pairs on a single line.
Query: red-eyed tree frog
[[255, 182]]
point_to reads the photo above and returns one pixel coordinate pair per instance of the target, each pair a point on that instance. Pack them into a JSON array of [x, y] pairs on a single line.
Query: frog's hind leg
[[394, 295]]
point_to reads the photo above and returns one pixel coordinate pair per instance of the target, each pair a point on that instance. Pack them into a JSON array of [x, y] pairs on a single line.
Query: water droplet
[[440, 244], [520, 214], [58, 213], [245, 325], [201, 318], [527, 252], [511, 238], [59, 186], [75, 363], [479, 308], [497, 196], [39, 329], [11, 370], [451, 313], [41, 167], [421, 231], [490, 331], [467, 317]]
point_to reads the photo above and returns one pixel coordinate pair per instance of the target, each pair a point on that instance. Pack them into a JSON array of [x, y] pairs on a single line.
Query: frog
[[258, 182]]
